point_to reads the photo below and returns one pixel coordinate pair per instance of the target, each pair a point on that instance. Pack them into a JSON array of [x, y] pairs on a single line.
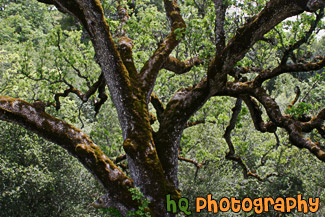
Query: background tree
[[233, 62]]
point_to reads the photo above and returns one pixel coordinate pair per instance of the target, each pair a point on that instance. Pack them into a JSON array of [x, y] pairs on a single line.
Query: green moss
[[129, 146]]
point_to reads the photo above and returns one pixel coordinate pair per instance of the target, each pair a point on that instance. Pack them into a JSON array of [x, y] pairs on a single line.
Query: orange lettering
[[268, 200], [227, 207], [199, 207], [212, 202], [250, 205], [279, 205], [300, 203], [289, 205], [233, 203], [258, 203], [313, 204]]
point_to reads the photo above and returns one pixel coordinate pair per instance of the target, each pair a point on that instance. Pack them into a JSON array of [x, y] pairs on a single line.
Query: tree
[[152, 156]]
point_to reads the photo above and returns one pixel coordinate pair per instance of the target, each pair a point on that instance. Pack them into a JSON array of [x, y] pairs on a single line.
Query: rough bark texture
[[76, 143], [152, 157]]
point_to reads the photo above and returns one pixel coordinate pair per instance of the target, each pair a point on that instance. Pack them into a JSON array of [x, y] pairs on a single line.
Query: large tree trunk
[[152, 157]]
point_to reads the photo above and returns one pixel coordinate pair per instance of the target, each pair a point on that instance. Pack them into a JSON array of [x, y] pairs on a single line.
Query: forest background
[[44, 52]]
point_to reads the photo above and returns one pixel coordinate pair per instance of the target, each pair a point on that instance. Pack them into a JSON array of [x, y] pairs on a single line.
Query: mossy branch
[[254, 30], [256, 115], [157, 104], [294, 127], [149, 71], [316, 64], [74, 141], [180, 67]]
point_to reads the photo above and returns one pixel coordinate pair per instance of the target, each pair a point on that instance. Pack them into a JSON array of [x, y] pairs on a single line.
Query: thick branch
[[256, 115], [180, 67], [300, 67], [293, 127], [125, 43], [172, 123], [124, 17], [220, 7], [315, 123], [125, 49], [75, 142], [274, 12], [151, 68], [157, 104]]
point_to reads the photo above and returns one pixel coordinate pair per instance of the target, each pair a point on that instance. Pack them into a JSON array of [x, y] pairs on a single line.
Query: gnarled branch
[[254, 30], [75, 142], [149, 71], [157, 104], [293, 127], [256, 115], [220, 8], [194, 162], [180, 67], [300, 67], [274, 12], [315, 123]]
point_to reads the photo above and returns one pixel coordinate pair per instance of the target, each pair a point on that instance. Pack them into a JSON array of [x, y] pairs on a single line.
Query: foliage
[[299, 110], [138, 195], [140, 212]]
